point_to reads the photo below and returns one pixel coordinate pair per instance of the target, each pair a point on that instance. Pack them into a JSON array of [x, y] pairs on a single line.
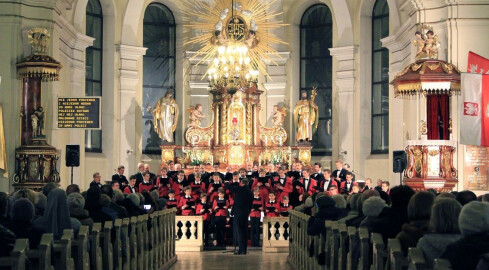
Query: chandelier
[[236, 39]]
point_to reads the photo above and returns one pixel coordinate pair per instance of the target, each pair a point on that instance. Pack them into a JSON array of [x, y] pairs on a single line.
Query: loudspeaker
[[72, 155], [399, 161]]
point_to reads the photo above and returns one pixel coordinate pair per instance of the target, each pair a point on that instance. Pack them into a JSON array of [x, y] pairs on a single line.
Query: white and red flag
[[474, 121]]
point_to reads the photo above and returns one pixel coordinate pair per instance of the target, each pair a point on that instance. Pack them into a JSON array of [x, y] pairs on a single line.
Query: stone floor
[[216, 260]]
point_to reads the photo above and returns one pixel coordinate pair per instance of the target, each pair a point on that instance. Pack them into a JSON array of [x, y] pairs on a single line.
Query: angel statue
[[306, 117], [278, 116], [195, 115], [165, 117], [427, 44]]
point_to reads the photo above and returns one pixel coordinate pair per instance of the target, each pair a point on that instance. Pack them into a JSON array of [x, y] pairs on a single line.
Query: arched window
[[93, 67], [158, 68], [316, 71], [380, 79]]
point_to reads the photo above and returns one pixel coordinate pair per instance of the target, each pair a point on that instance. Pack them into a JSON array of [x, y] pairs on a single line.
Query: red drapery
[[438, 117]]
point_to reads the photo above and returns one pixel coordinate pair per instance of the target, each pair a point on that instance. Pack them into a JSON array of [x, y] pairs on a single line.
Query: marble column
[[344, 80]]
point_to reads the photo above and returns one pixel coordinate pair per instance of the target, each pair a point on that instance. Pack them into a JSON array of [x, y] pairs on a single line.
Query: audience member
[[4, 206], [352, 205], [72, 188], [371, 209], [23, 213], [56, 217], [419, 213], [121, 211], [443, 228], [389, 222], [326, 211], [466, 196], [41, 203], [7, 238], [96, 210], [25, 193], [48, 187], [473, 223], [340, 201], [76, 204]]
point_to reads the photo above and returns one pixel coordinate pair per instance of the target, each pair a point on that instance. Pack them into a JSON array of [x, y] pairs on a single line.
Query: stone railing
[[276, 232], [189, 231]]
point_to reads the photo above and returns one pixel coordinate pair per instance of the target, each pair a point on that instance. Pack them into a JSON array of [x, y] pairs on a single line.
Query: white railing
[[276, 232], [190, 233]]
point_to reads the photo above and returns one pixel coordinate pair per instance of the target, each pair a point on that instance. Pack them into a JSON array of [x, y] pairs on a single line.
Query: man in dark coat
[[243, 200]]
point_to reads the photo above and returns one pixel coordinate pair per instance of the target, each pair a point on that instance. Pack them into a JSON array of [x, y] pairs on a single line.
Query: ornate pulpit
[[432, 83], [35, 160]]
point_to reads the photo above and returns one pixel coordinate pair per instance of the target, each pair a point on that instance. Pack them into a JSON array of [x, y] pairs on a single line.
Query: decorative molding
[[129, 52], [198, 85], [62, 5], [343, 53], [275, 86], [279, 58]]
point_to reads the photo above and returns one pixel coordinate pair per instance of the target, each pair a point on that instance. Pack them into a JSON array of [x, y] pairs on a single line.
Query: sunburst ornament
[[234, 37]]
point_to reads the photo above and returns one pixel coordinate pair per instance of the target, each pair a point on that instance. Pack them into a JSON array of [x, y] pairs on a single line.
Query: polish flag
[[474, 121]]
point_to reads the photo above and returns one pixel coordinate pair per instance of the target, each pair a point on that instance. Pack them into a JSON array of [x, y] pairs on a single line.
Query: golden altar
[[236, 136]]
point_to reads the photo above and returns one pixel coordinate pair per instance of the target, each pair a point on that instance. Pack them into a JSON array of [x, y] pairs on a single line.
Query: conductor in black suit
[[120, 177], [243, 200]]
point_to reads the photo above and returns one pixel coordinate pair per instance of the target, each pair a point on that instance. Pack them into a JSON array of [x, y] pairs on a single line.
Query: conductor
[[243, 200]]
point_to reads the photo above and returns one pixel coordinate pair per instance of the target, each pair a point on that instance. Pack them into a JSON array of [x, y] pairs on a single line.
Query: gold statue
[[306, 117], [426, 42], [278, 116], [165, 117], [195, 115], [39, 40]]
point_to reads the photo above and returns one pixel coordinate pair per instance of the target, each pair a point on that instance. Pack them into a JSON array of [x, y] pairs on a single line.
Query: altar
[[235, 41]]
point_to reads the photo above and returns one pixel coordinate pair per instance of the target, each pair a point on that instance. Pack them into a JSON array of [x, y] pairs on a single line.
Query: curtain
[[438, 117]]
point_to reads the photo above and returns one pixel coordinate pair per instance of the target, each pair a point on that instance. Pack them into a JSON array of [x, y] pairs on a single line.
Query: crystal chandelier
[[232, 67], [237, 39]]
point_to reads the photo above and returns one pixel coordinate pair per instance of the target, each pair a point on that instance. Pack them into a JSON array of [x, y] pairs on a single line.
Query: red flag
[[477, 64]]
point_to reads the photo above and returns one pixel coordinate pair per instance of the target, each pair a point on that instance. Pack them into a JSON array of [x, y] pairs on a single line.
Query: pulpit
[[432, 83]]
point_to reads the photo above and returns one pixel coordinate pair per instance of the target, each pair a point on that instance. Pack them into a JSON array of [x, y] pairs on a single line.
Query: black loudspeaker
[[399, 161], [72, 155]]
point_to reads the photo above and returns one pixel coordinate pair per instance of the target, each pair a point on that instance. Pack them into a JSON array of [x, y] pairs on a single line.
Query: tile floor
[[217, 260]]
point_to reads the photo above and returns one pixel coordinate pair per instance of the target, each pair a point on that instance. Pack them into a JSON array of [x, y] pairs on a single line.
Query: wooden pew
[[95, 249], [126, 258], [134, 242], [334, 245], [380, 254], [343, 246], [17, 258], [118, 244], [142, 256], [40, 258], [79, 248], [62, 252], [353, 249], [107, 249], [417, 260], [154, 239], [397, 260], [364, 261], [442, 264]]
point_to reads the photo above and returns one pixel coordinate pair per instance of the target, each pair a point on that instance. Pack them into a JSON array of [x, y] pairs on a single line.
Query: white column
[[344, 81], [275, 86], [130, 81], [198, 92], [72, 47]]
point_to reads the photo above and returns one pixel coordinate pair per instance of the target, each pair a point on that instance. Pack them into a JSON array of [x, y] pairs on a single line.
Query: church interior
[[90, 87]]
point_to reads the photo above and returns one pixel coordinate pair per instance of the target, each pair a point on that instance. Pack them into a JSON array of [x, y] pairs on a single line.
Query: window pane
[[93, 67], [316, 70], [380, 78], [158, 68], [93, 140]]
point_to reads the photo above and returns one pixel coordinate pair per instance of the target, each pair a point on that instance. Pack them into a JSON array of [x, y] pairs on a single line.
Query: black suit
[[243, 200], [330, 183], [139, 178], [95, 184], [319, 177], [120, 178], [342, 175]]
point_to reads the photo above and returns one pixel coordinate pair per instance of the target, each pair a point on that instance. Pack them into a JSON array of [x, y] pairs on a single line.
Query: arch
[[133, 19], [394, 19], [108, 9], [342, 23]]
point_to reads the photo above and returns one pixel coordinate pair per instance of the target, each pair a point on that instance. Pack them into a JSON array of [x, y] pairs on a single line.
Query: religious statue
[[278, 116], [195, 115], [34, 123], [306, 117], [427, 44], [165, 117], [39, 112]]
